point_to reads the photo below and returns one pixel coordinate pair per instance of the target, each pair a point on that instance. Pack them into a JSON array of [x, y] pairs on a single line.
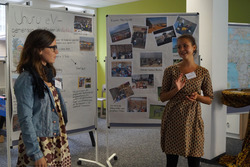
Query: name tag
[[190, 75], [58, 84]]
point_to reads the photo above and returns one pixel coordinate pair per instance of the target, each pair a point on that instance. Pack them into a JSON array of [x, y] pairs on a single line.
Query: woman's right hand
[[41, 162], [180, 83]]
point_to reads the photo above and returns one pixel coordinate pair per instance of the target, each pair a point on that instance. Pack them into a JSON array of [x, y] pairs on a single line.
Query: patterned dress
[[182, 128], [55, 149]]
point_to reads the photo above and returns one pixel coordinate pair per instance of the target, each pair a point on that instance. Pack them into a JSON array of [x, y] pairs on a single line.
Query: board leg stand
[[109, 158], [80, 160], [113, 156], [92, 138]]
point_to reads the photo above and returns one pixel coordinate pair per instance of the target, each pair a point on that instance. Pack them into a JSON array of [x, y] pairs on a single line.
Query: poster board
[[238, 56], [238, 73], [139, 48], [75, 64]]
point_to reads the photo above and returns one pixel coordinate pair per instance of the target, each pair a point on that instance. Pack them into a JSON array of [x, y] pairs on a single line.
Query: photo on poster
[[120, 32], [121, 51], [174, 45], [143, 81], [121, 92], [86, 44], [59, 77], [82, 24], [15, 123], [156, 111], [159, 92], [184, 26], [164, 36], [139, 36], [176, 61], [17, 47], [137, 104], [156, 23], [84, 82], [121, 69], [151, 59], [88, 82]]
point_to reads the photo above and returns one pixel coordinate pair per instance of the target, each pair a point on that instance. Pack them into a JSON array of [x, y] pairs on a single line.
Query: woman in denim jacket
[[41, 110]]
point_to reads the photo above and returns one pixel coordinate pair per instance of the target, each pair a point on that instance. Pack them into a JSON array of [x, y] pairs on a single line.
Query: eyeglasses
[[53, 47]]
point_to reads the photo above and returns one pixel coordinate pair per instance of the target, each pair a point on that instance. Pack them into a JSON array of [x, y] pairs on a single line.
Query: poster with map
[[238, 56]]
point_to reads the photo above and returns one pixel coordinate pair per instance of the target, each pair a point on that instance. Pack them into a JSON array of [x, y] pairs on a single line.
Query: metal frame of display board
[[114, 155], [8, 94]]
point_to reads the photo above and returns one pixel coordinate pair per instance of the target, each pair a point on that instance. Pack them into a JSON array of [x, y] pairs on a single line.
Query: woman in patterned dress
[[182, 129], [41, 110]]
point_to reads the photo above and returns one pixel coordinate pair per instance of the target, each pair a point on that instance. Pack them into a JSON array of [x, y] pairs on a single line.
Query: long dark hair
[[36, 41], [31, 61]]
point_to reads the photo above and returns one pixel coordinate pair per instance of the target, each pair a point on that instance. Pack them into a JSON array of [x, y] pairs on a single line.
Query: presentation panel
[[139, 48], [238, 73], [75, 63], [238, 56]]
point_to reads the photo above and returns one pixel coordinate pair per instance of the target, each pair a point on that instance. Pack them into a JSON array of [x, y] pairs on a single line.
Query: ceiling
[[85, 3]]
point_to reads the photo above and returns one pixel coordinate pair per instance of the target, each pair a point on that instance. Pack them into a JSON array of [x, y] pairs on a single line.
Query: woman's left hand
[[193, 96]]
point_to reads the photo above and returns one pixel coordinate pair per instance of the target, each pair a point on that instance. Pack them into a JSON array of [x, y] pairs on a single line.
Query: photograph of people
[[139, 36], [121, 92], [164, 36], [82, 24], [41, 110], [184, 26], [123, 51], [182, 127], [120, 32]]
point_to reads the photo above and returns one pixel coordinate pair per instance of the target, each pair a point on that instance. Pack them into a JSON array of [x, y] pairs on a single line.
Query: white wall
[[213, 50]]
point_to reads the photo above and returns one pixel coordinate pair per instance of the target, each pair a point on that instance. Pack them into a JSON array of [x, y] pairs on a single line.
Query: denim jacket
[[37, 117]]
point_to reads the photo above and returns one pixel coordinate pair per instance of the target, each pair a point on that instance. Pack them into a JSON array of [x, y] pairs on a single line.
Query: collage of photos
[[127, 39], [84, 82]]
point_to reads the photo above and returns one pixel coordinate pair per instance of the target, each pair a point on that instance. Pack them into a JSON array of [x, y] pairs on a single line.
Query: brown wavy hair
[[30, 57]]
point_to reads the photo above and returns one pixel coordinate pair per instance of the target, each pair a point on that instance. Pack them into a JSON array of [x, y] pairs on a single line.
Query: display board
[[139, 48], [238, 75], [75, 64]]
